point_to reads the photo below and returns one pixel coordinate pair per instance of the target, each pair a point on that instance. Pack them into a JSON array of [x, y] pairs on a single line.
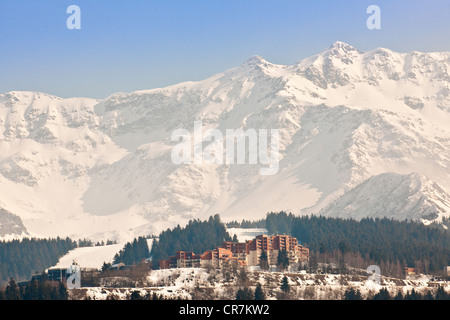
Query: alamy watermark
[[375, 274], [74, 280], [241, 147], [74, 20], [374, 20]]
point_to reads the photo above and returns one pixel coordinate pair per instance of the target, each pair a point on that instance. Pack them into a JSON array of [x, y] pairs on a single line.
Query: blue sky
[[142, 44]]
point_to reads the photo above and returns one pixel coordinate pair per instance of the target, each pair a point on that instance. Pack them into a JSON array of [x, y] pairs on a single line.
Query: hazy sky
[[142, 44]]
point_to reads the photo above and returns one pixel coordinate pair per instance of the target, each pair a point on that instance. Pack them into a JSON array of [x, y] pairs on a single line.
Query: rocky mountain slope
[[350, 124]]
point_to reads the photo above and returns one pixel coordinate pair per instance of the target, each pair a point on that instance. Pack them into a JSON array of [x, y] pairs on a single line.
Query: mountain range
[[361, 134]]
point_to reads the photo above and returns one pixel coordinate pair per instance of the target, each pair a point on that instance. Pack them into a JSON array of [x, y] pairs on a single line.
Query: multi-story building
[[238, 249], [272, 245], [187, 259], [220, 257], [241, 254]]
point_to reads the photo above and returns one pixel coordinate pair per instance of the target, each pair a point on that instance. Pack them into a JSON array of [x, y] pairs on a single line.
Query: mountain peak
[[255, 60], [341, 47]]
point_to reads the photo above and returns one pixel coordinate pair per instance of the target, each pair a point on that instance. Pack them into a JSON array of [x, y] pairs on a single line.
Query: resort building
[[241, 254]]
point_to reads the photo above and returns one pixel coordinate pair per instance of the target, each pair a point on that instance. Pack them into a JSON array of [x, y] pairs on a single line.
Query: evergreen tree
[[313, 263], [383, 294], [399, 295], [352, 294], [106, 266], [135, 295], [12, 290], [243, 276], [244, 294], [54, 294], [197, 236], [20, 259], [282, 259], [259, 293], [285, 287], [441, 294], [386, 242], [32, 290], [428, 296], [133, 252], [263, 261], [413, 295], [62, 292], [44, 291]]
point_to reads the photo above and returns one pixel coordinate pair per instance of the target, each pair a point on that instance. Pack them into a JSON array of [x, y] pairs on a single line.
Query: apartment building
[[241, 253]]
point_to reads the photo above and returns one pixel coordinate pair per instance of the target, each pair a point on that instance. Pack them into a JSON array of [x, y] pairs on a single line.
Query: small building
[[118, 266], [57, 274], [410, 271], [63, 273], [216, 258]]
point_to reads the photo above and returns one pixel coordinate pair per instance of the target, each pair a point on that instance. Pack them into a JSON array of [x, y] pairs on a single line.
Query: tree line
[[20, 259], [36, 289], [197, 236], [133, 252], [384, 294], [392, 243]]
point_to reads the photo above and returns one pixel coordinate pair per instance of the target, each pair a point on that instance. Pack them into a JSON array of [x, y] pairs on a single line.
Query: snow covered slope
[[102, 169], [394, 196], [90, 257]]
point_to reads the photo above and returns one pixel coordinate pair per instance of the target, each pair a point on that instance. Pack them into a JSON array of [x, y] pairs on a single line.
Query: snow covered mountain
[[103, 169], [395, 196]]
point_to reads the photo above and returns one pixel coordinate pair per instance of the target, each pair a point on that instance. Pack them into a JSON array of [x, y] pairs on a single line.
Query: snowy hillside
[[394, 196], [201, 284], [90, 257], [102, 169]]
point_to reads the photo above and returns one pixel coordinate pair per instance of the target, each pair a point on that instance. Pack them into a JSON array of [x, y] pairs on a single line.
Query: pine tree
[[399, 295], [413, 295], [106, 266], [62, 292], [12, 290], [263, 261], [135, 295], [243, 276], [282, 259], [285, 287], [244, 294], [54, 294], [383, 294], [441, 294], [32, 290], [352, 294], [428, 296], [259, 293]]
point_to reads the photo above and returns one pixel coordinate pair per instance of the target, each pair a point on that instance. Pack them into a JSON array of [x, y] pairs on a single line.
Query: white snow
[[90, 257], [184, 283], [102, 169], [244, 234]]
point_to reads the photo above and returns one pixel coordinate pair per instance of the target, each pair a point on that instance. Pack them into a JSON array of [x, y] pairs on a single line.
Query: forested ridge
[[197, 236], [388, 241], [20, 259], [133, 252]]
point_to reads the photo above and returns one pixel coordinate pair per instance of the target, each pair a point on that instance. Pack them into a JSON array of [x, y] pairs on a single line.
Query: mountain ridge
[[103, 169]]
